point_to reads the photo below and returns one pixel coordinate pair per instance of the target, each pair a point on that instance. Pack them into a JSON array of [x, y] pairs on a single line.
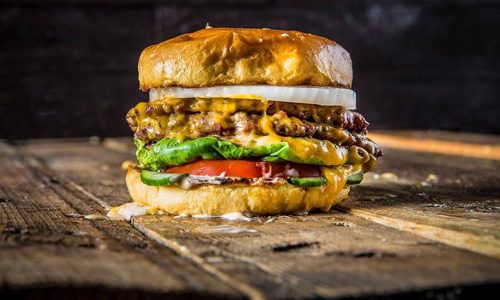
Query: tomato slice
[[246, 169]]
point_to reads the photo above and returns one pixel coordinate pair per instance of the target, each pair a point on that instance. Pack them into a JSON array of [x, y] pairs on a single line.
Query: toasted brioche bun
[[222, 199], [237, 56]]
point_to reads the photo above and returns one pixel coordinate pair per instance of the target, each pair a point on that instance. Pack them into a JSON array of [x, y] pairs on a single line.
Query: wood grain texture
[[322, 255], [440, 135], [452, 199], [423, 144], [45, 241]]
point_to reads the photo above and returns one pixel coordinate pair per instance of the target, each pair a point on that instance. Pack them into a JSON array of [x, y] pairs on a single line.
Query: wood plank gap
[[37, 164], [325, 251], [46, 173], [467, 241], [437, 146], [185, 252]]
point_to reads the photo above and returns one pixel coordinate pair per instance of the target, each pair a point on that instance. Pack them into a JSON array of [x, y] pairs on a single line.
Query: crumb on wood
[[389, 175], [94, 140], [432, 178], [429, 181]]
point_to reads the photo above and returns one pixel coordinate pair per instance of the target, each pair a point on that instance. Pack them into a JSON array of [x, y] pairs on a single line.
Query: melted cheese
[[304, 148], [247, 96], [226, 105], [159, 120], [335, 179]]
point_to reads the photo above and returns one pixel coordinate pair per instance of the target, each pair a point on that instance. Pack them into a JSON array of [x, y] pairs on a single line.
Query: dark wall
[[68, 68]]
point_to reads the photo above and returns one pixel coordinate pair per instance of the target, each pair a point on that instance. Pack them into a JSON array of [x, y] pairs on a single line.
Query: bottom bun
[[221, 199]]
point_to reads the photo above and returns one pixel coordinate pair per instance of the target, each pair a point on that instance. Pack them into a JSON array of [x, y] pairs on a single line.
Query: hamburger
[[247, 120]]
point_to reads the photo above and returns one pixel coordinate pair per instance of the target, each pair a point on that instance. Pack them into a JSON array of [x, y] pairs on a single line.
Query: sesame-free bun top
[[241, 56]]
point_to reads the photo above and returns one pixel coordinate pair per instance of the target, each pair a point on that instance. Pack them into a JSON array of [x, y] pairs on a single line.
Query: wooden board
[[321, 255], [44, 243], [454, 199]]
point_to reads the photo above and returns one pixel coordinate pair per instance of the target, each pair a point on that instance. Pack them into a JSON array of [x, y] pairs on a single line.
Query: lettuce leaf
[[170, 152]]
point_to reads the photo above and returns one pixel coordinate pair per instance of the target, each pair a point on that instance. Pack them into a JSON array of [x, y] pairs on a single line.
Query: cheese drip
[[161, 121], [336, 178]]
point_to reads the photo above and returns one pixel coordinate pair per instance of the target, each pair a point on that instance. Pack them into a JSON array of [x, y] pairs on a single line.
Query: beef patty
[[193, 119], [335, 116]]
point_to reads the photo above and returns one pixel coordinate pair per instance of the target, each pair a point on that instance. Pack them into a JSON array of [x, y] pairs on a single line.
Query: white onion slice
[[328, 96]]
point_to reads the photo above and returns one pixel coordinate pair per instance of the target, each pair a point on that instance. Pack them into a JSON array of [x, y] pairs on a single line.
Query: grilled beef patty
[[335, 116], [220, 117]]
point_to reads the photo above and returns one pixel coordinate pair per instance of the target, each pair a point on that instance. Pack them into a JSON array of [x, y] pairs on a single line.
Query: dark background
[[69, 68]]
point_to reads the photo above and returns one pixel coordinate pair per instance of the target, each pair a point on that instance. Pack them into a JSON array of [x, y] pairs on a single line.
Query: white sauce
[[233, 216], [128, 210], [301, 213], [193, 180], [270, 220], [292, 173], [185, 183], [94, 217], [267, 175], [182, 216], [228, 229], [88, 217]]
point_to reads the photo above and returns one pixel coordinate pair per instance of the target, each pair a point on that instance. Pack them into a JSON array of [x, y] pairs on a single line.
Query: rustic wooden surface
[[425, 225]]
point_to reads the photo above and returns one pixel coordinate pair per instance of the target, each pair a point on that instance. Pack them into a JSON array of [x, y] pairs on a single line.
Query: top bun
[[239, 56]]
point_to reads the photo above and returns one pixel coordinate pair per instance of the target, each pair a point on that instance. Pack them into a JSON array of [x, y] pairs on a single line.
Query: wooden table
[[425, 225]]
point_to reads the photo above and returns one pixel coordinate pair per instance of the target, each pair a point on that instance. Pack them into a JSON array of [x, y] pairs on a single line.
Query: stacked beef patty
[[223, 117]]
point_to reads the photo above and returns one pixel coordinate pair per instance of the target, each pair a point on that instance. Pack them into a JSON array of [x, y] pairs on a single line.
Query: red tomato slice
[[246, 169]]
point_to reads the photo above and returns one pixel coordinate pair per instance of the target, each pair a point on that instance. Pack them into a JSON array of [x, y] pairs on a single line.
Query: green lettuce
[[170, 152]]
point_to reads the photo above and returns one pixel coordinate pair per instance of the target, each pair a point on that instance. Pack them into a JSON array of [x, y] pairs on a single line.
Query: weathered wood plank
[[424, 143], [43, 242], [439, 135], [329, 255], [99, 170], [325, 255], [454, 199]]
